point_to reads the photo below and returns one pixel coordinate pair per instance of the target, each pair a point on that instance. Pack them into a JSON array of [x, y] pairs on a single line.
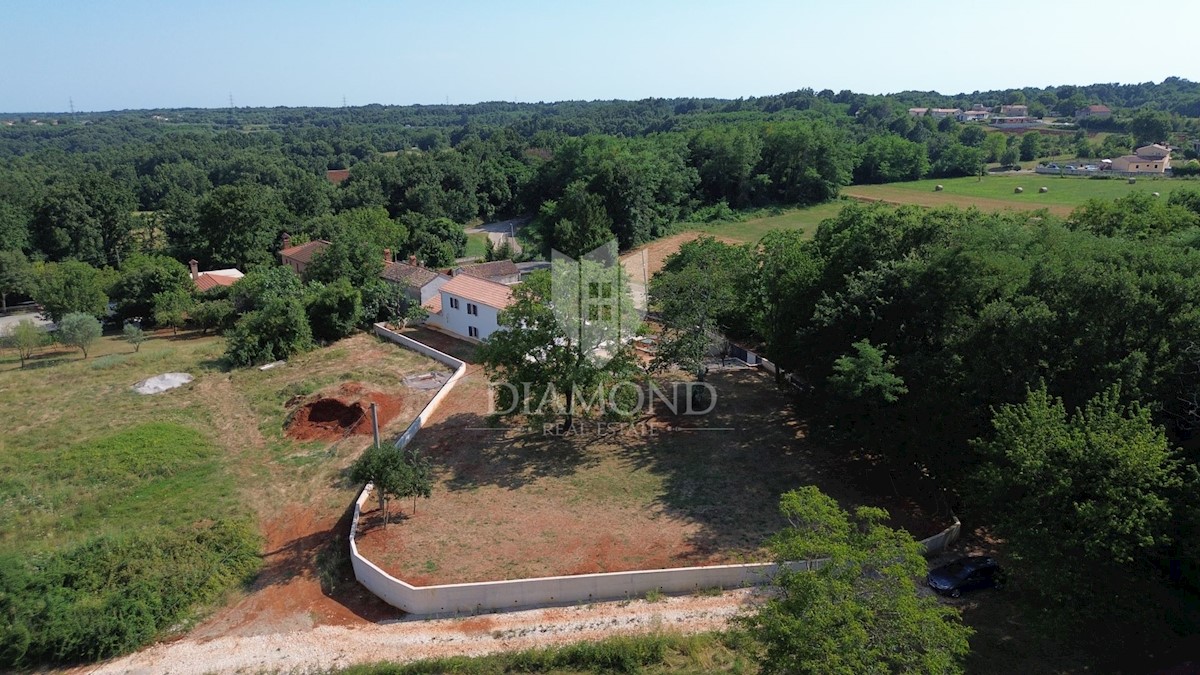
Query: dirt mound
[[347, 410]]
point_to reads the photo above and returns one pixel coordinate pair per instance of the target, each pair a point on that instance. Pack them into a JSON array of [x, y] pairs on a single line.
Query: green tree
[[276, 331], [16, 276], [26, 336], [262, 285], [88, 218], [1150, 126], [561, 369], [238, 225], [579, 221], [134, 335], [700, 297], [1082, 499], [859, 612], [141, 278], [334, 309], [889, 158], [171, 308], [78, 329], [1010, 156], [1030, 144], [993, 146], [71, 286], [866, 376], [215, 314], [391, 471]]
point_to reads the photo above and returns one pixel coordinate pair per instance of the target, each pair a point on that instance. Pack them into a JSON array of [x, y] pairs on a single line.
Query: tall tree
[[16, 276], [141, 278], [544, 352], [89, 218], [71, 286], [859, 612], [239, 224], [1082, 499]]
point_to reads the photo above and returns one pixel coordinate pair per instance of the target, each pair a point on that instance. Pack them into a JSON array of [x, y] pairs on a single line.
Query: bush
[[277, 331], [114, 594], [79, 330]]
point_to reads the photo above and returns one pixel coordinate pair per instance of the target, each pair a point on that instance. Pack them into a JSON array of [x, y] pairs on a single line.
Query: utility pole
[[375, 423], [71, 103]]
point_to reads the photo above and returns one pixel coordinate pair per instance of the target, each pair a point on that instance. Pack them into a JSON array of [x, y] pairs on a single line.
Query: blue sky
[[120, 54]]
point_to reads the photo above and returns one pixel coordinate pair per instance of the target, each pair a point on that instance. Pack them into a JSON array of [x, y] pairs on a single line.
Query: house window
[[472, 309], [473, 331], [453, 303]]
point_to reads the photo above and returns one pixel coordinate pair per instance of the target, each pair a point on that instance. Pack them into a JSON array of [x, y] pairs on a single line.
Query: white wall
[[457, 321], [491, 596], [431, 289]]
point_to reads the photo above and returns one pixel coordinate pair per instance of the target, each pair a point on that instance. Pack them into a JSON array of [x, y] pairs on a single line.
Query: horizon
[[141, 55], [960, 94]]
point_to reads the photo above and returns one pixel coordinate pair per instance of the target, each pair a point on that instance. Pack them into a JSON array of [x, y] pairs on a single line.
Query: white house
[[468, 307]]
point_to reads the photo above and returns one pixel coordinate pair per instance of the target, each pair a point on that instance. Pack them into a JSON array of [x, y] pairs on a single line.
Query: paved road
[[7, 322]]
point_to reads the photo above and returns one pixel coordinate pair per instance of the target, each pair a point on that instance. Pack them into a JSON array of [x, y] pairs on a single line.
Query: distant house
[[420, 283], [1095, 112], [206, 281], [973, 115], [468, 307], [298, 257], [337, 176], [1019, 122], [1154, 158], [500, 271], [1016, 110], [935, 113]]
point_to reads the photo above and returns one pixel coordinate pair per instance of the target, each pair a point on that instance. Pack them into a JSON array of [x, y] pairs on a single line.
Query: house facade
[[1014, 110], [298, 257], [468, 307], [1095, 112], [1154, 158]]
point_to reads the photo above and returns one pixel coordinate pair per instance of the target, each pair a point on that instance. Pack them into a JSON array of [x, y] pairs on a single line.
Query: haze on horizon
[[136, 54]]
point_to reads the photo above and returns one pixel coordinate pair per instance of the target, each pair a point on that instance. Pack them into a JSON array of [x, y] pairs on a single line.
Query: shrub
[[79, 330], [111, 595]]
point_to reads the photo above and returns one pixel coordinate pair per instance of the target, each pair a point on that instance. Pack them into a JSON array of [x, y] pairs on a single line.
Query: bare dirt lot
[[510, 503], [657, 252]]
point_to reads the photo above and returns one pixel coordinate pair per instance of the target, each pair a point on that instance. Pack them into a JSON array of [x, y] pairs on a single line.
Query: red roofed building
[[1095, 112], [298, 257], [469, 307], [209, 280], [337, 176]]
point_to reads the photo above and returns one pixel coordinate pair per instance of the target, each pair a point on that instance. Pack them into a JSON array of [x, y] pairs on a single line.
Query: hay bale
[[1043, 189], [938, 188], [1019, 190], [1154, 194], [1132, 181]]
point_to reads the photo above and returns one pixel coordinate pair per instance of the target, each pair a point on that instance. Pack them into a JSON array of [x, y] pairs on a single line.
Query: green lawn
[[998, 192], [755, 226], [477, 245]]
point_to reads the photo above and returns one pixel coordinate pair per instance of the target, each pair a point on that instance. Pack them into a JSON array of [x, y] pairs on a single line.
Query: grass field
[[82, 454], [998, 192], [754, 226], [477, 244]]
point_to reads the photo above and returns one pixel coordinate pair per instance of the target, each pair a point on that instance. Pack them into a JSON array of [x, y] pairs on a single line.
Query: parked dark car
[[966, 574]]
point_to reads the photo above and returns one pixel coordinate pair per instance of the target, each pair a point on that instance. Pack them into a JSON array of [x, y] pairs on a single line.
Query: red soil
[[347, 411]]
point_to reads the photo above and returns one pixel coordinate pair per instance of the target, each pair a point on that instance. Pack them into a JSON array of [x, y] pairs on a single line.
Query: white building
[[468, 307]]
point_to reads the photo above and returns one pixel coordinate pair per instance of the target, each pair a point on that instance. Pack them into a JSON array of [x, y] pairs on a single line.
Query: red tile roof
[[479, 290], [434, 304], [207, 280], [336, 176], [407, 274], [304, 252], [491, 270]]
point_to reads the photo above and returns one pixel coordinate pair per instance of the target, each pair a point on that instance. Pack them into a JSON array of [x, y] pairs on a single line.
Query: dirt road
[[330, 646]]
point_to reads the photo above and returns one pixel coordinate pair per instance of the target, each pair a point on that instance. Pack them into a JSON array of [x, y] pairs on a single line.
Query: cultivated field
[[512, 504], [995, 193], [754, 227]]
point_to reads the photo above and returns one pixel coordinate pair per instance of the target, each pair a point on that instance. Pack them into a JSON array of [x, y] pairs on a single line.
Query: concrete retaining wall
[[490, 596]]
